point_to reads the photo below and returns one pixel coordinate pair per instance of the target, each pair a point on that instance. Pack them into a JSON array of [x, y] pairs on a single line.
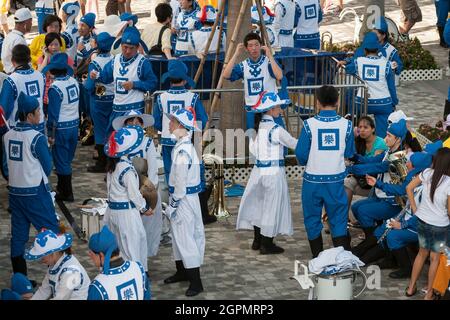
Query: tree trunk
[[373, 10]]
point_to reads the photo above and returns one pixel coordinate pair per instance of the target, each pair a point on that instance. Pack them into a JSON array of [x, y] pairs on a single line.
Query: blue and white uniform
[[137, 69], [200, 39], [66, 280], [43, 9], [266, 201], [258, 76], [285, 23], [309, 16], [126, 281], [325, 141], [269, 18], [63, 97], [122, 215], [153, 223], [170, 102], [87, 51], [377, 73], [185, 24], [27, 164], [101, 106], [28, 81], [188, 235]]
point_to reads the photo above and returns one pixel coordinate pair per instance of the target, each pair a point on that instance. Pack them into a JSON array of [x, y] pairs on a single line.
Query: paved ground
[[231, 269]]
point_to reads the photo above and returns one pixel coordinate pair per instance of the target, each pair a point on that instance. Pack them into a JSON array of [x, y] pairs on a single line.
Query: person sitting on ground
[[21, 288]]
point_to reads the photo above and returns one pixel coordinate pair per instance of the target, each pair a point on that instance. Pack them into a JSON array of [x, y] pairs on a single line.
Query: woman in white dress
[[265, 206]]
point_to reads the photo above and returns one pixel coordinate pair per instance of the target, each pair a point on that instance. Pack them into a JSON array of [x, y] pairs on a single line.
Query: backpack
[[157, 48]]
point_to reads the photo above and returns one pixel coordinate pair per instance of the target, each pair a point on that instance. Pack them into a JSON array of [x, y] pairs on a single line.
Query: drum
[[339, 286], [91, 222]]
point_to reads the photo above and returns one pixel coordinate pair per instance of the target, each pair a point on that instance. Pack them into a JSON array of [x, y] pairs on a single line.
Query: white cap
[[396, 116], [22, 15]]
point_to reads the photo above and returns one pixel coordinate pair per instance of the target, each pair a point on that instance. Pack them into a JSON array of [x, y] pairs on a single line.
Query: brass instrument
[[146, 187], [327, 46], [219, 209], [398, 171], [100, 90], [84, 77]]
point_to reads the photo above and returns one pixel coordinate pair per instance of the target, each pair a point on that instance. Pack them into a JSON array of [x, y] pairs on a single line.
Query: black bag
[[19, 4], [156, 50], [362, 182]]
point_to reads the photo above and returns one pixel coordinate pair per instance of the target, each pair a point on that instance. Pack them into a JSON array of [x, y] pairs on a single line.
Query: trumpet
[[84, 77], [219, 208], [100, 90]]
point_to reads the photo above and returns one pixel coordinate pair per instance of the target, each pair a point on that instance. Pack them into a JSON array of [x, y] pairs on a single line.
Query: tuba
[[398, 171], [100, 90], [147, 189], [218, 207]]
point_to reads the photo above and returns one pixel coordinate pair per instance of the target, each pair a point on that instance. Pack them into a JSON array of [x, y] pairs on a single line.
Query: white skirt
[[130, 234], [153, 228], [266, 203]]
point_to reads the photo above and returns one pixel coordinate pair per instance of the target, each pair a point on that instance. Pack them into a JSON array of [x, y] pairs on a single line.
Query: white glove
[[171, 209]]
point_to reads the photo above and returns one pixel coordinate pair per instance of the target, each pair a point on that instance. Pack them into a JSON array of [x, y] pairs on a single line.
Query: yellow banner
[[206, 2]]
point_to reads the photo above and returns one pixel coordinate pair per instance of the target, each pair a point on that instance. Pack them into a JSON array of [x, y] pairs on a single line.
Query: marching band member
[[44, 8], [131, 73], [269, 18], [125, 202], [21, 288], [24, 79], [119, 279], [404, 229], [69, 12], [129, 18], [170, 102], [286, 19], [389, 51], [101, 102], [184, 212], [185, 23], [265, 206], [66, 279], [325, 141], [207, 16], [259, 72], [63, 121], [147, 151], [382, 205], [376, 72], [310, 15], [27, 167]]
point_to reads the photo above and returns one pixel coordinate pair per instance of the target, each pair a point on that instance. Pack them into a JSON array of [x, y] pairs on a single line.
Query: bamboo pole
[[265, 38], [228, 55], [208, 44], [219, 44]]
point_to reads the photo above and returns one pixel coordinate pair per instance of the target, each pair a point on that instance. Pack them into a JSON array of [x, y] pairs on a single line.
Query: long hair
[[258, 118], [441, 167], [412, 142], [111, 164], [360, 143]]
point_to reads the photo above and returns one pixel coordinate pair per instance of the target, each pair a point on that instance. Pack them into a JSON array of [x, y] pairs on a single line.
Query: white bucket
[[339, 286]]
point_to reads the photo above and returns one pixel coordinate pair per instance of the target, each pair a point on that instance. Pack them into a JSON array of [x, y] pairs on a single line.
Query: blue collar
[[118, 270], [125, 63], [257, 62], [104, 55], [59, 264], [327, 113], [267, 118], [374, 57], [62, 78], [177, 89], [23, 126]]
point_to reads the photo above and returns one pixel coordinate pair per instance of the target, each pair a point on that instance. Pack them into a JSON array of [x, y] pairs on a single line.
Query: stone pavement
[[231, 269]]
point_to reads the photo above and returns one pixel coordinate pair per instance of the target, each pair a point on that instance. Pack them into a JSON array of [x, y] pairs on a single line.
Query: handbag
[[156, 50]]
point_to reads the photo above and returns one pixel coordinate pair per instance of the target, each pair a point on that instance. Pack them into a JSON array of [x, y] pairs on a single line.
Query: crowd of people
[[74, 71]]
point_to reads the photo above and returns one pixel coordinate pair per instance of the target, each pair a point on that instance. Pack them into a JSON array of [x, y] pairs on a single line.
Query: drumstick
[[6, 122]]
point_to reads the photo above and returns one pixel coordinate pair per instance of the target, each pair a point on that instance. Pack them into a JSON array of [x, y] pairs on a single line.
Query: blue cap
[[26, 104], [131, 36], [127, 16], [89, 19], [432, 148], [8, 294], [420, 161], [381, 24], [59, 61], [398, 129], [104, 41], [370, 42], [177, 70], [105, 242], [21, 284]]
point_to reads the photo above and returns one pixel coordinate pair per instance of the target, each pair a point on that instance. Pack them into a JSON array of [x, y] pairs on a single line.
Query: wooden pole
[[219, 44], [208, 44], [230, 52]]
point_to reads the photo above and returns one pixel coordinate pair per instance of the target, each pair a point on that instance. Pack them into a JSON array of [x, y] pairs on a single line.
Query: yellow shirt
[[36, 48], [446, 143]]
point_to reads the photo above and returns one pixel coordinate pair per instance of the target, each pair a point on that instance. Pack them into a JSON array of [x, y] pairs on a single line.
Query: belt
[[120, 205], [269, 163], [285, 32], [189, 190]]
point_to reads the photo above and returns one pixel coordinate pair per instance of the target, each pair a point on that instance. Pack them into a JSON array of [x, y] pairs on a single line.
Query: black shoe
[[343, 241], [442, 42], [400, 274], [369, 242], [256, 245], [268, 247], [195, 286], [209, 219], [388, 262], [373, 254], [64, 188], [316, 246], [177, 277]]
